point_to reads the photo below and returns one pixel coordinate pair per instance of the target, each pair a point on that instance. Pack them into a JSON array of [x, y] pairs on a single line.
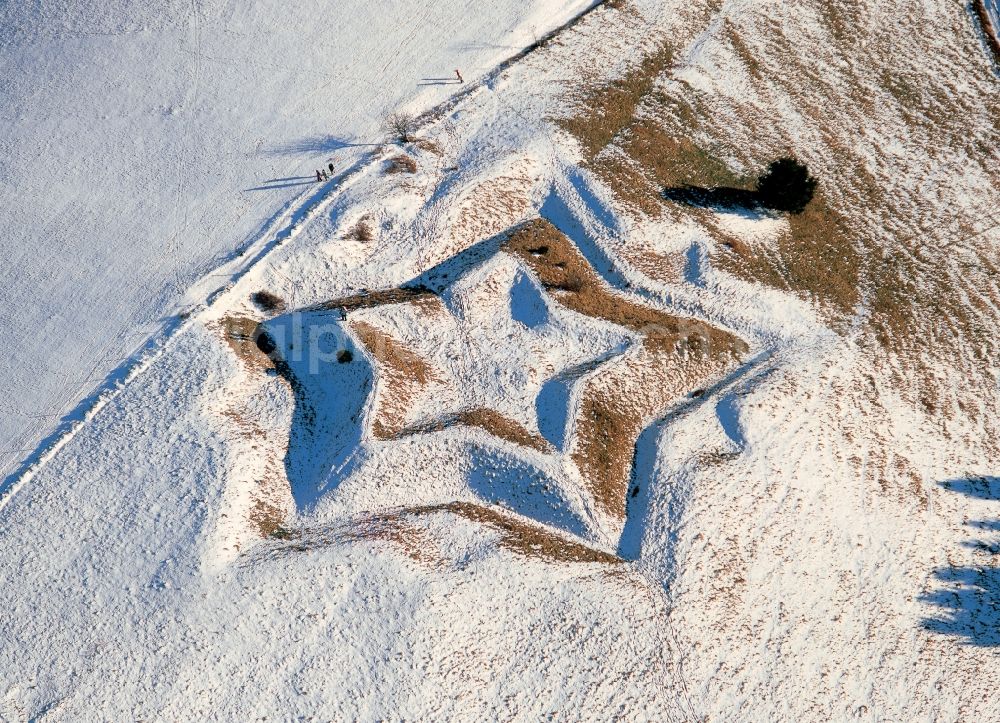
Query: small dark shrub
[[267, 301], [265, 342], [786, 186], [362, 231], [401, 164]]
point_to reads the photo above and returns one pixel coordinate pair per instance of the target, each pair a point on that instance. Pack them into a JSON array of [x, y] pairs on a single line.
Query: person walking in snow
[[319, 177], [459, 75], [331, 167]]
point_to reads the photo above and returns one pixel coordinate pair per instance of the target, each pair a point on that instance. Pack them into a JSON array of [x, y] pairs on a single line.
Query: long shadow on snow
[[440, 276], [280, 186], [315, 144], [644, 465], [331, 381], [553, 405], [968, 600], [557, 212], [502, 478]]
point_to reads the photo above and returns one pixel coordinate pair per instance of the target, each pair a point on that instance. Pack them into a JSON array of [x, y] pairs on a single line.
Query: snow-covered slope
[[513, 435], [141, 144]]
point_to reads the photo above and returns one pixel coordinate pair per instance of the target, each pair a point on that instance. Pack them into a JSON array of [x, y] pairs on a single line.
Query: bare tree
[[402, 126]]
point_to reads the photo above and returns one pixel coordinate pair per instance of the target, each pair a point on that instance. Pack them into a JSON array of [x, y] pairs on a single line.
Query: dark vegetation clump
[[401, 126], [267, 301], [401, 164], [786, 186], [361, 231], [265, 342]]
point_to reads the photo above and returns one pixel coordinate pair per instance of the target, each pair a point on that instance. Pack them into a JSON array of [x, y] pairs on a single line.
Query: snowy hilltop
[[625, 360]]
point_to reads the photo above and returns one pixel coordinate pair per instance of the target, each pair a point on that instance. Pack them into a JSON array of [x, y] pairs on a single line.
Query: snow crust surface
[[145, 143], [802, 541]]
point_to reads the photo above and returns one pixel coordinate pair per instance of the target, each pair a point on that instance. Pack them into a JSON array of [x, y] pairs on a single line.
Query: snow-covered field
[[142, 144], [400, 492]]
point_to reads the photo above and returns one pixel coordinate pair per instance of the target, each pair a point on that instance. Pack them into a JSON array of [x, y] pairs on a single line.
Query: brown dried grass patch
[[675, 355], [361, 231], [671, 156], [606, 110], [618, 402], [488, 420], [371, 299], [561, 267], [401, 164], [503, 427], [402, 375], [491, 207], [397, 528], [816, 259], [241, 333], [267, 518], [521, 536], [415, 542], [266, 301], [428, 145], [271, 488]]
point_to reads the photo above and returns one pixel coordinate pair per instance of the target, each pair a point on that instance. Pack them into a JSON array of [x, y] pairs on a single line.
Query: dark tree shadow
[[785, 186], [316, 144], [968, 598], [983, 488], [969, 603], [717, 199]]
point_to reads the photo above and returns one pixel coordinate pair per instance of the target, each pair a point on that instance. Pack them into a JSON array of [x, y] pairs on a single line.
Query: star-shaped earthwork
[[489, 343]]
